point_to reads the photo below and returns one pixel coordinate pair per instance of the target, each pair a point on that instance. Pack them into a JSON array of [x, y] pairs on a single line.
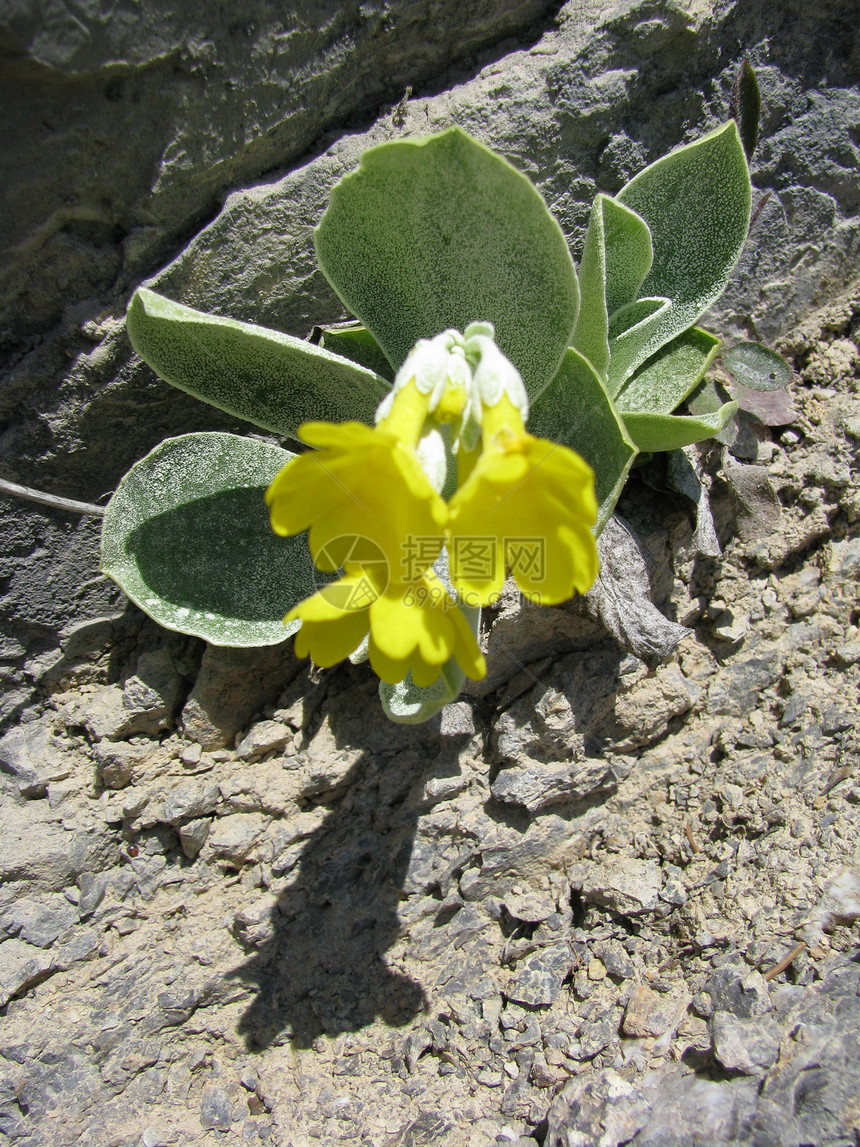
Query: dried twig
[[31, 495], [785, 961]]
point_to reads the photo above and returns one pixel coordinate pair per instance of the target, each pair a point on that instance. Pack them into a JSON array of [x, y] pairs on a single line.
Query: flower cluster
[[373, 502]]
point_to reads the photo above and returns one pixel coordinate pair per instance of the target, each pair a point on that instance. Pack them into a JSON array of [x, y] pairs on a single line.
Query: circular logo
[[368, 572]]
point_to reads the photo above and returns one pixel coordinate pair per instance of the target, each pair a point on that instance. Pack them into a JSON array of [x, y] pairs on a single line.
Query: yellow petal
[[528, 505]]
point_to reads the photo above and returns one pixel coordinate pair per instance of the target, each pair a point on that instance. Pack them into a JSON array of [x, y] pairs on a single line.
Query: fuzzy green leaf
[[696, 202], [630, 329], [576, 411], [187, 537], [273, 380], [757, 366], [668, 377], [655, 432], [440, 232], [629, 253], [355, 342]]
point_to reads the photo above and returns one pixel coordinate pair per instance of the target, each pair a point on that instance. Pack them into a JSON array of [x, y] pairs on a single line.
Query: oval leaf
[[441, 232], [576, 411], [696, 202], [655, 432], [271, 379], [757, 367], [187, 537]]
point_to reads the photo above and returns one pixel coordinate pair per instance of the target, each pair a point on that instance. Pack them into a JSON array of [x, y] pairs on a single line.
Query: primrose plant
[[479, 416]]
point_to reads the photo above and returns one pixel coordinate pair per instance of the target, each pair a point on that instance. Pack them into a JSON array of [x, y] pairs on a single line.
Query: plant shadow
[[322, 969]]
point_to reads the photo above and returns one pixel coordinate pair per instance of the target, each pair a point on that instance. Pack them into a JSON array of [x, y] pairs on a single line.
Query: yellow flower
[[370, 508], [413, 627], [360, 482], [526, 504]]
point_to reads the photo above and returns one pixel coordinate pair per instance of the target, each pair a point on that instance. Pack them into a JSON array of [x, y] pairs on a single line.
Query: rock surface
[[593, 901]]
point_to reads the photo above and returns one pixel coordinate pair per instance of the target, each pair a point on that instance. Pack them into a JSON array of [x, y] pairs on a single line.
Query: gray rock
[[145, 704], [740, 992], [39, 922], [757, 507], [621, 597], [38, 852], [262, 738], [233, 837], [92, 887], [542, 786], [119, 763], [650, 1013], [590, 703], [193, 835], [750, 1046], [21, 966], [623, 885], [674, 890], [216, 1111], [538, 981], [191, 799], [231, 686], [30, 755]]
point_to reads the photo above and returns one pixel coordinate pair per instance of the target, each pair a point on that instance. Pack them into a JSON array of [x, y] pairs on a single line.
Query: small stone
[[743, 994], [216, 1112], [750, 1046], [847, 653], [263, 738], [673, 891], [193, 835], [541, 786], [596, 969], [39, 922], [649, 1013], [31, 756], [531, 907], [20, 966], [731, 629], [191, 755], [539, 980], [623, 885], [234, 836], [190, 799], [615, 959], [119, 763], [595, 1038]]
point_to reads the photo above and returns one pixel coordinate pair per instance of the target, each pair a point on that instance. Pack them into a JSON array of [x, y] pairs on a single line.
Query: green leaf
[[655, 432], [440, 232], [187, 537], [630, 329], [629, 253], [271, 379], [355, 342], [591, 333], [757, 366], [696, 202], [668, 377], [746, 106], [576, 411]]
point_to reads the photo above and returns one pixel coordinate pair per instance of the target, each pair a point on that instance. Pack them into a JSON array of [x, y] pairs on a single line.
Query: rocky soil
[[591, 903]]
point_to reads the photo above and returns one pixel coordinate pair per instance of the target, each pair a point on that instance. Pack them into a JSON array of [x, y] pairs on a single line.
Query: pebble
[[538, 981], [623, 885], [747, 1045]]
